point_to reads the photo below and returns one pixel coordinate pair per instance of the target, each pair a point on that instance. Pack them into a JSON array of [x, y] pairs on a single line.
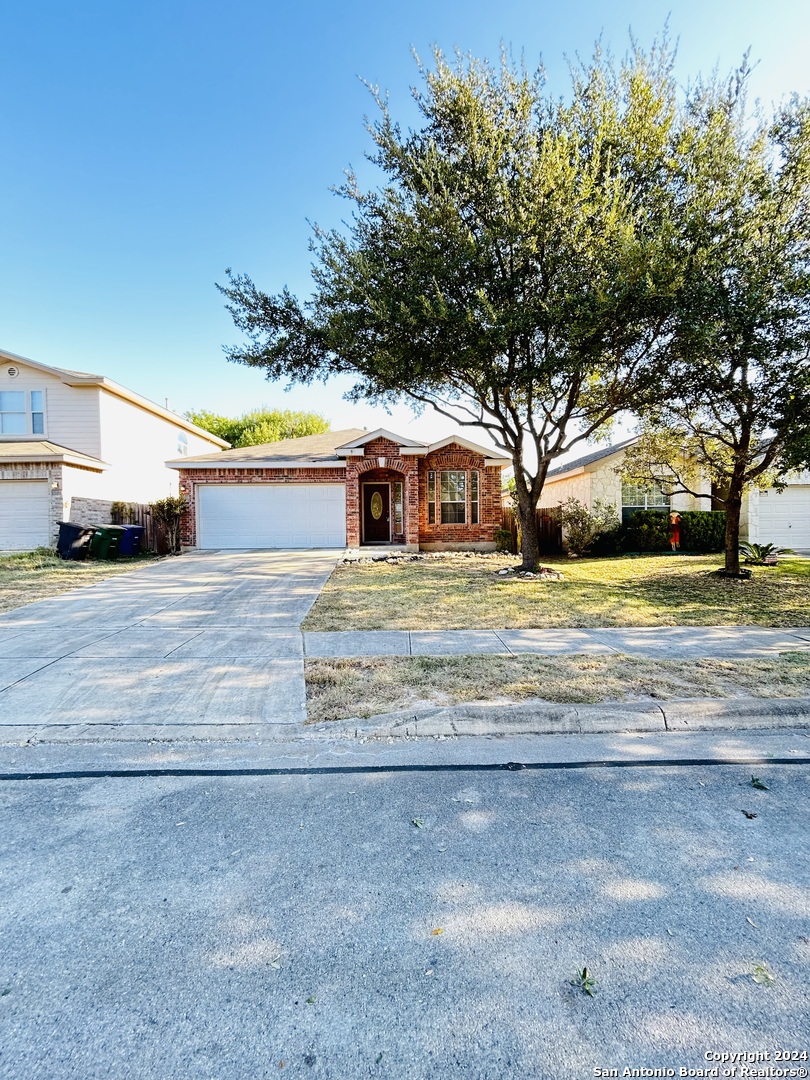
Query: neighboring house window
[[474, 497], [454, 497], [398, 508], [22, 412], [182, 444], [642, 497], [431, 498]]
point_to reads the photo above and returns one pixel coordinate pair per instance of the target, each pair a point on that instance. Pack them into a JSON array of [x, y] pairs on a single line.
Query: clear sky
[[148, 146]]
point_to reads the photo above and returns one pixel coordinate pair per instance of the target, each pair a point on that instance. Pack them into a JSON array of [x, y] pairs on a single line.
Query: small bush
[[583, 526], [703, 530], [647, 530], [167, 513], [503, 539]]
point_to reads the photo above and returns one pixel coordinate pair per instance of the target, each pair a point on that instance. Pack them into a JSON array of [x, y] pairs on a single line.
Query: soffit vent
[[12, 372]]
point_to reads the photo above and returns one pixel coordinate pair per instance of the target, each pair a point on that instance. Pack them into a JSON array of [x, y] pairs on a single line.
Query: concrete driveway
[[207, 639]]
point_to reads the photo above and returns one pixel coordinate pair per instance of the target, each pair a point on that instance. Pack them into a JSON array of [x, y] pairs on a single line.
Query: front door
[[376, 514]]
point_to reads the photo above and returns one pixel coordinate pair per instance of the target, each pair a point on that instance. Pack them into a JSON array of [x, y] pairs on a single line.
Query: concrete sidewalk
[[661, 642]]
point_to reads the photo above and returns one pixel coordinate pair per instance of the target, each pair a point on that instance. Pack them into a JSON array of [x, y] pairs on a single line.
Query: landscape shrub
[[167, 514], [503, 539], [703, 530], [647, 530], [583, 526]]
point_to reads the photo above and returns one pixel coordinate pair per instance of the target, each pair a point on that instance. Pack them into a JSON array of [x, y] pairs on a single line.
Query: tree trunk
[[529, 540], [733, 511]]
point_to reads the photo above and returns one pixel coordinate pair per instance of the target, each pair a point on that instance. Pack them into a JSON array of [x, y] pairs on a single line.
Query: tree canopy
[[258, 426], [514, 270], [733, 405]]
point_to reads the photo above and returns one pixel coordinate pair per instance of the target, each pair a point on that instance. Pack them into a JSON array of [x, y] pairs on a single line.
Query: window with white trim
[[398, 507], [474, 497], [453, 488], [431, 498], [22, 412], [642, 497]]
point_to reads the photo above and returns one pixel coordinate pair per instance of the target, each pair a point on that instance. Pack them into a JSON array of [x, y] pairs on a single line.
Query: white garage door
[[784, 516], [24, 514], [271, 515]]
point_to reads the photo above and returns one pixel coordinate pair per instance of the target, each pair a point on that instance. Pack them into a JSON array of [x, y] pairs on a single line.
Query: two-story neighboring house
[[72, 443]]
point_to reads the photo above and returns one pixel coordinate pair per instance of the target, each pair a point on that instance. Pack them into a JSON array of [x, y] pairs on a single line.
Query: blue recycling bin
[[131, 542]]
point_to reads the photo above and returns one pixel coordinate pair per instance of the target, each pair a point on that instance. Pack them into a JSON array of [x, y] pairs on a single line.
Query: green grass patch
[[643, 590]]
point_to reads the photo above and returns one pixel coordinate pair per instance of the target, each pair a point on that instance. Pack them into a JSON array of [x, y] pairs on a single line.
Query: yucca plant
[[763, 554]]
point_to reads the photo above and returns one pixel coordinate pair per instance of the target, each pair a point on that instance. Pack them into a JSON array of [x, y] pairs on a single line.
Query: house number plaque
[[376, 506]]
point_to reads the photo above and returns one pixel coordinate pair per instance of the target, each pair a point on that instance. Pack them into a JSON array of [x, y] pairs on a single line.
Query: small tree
[[168, 513], [583, 526]]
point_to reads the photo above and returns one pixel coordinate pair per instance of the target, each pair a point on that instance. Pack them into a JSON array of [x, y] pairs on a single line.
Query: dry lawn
[[342, 689], [642, 590], [35, 575]]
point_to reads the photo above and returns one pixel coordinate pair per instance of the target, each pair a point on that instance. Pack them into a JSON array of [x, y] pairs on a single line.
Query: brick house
[[344, 488]]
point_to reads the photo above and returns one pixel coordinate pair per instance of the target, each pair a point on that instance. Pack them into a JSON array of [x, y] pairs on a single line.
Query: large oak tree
[[732, 409], [513, 269]]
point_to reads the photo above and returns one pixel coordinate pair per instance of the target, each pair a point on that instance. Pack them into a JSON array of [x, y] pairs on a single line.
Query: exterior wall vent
[[12, 372]]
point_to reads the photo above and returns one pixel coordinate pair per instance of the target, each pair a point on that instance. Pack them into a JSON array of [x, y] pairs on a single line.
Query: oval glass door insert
[[376, 506]]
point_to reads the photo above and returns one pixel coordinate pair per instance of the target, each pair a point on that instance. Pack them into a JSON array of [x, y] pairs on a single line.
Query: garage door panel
[[272, 515], [784, 516], [24, 514]]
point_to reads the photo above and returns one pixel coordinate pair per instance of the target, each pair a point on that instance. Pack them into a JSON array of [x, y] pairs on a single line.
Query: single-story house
[[72, 443], [344, 488], [768, 516]]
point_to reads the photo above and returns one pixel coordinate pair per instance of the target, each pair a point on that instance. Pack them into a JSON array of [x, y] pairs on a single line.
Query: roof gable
[[380, 433]]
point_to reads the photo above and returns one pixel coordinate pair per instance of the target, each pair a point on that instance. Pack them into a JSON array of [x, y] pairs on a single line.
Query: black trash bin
[[132, 540], [74, 540]]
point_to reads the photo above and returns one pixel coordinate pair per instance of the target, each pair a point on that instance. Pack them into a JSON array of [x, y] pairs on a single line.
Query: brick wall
[[367, 469], [489, 493], [411, 471], [192, 479]]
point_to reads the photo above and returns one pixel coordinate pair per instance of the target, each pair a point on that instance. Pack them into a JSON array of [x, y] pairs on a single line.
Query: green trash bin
[[106, 541]]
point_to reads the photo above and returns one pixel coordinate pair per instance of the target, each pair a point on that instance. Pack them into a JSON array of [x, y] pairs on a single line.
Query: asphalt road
[[402, 923]]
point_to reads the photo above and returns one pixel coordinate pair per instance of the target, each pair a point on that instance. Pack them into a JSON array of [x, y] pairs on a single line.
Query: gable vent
[[12, 372]]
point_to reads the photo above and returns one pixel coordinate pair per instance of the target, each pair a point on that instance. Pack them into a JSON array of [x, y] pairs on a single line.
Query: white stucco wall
[[602, 481], [558, 491]]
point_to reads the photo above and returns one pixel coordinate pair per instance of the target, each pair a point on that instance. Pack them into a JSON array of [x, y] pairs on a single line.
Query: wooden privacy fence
[[549, 530], [154, 536]]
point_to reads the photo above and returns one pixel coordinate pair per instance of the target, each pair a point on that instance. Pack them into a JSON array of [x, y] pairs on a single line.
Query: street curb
[[526, 718], [546, 718]]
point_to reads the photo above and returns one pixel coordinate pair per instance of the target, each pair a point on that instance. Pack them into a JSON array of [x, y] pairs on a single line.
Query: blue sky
[[147, 147]]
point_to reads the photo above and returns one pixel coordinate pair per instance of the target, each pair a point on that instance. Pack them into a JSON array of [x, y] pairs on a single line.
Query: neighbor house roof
[[581, 464], [44, 452], [82, 378], [318, 451]]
